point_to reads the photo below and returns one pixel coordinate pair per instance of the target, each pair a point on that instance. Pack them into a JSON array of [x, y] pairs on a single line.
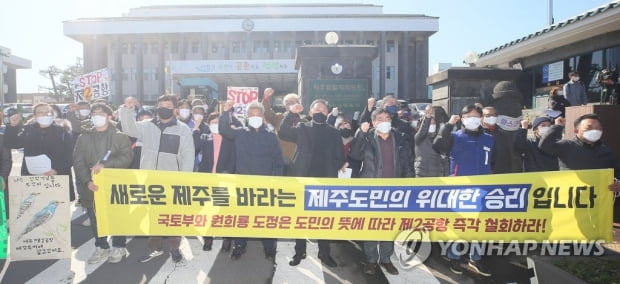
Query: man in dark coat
[[385, 153], [534, 159], [257, 152], [320, 153]]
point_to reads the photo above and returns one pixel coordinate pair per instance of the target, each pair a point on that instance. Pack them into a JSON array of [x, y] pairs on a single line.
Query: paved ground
[[215, 267]]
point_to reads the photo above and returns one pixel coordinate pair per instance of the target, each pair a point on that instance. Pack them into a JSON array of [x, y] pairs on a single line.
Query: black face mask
[[164, 113], [346, 132], [319, 117]]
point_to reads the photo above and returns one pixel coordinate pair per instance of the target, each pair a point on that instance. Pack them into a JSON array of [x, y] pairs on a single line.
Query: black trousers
[[300, 247]]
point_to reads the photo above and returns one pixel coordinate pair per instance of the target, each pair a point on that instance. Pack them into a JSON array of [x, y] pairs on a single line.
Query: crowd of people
[[386, 141]]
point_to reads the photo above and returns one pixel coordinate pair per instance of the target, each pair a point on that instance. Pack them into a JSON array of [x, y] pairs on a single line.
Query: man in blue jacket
[[470, 154]]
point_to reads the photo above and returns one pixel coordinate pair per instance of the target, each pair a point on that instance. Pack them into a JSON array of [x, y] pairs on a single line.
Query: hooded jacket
[[91, 147], [168, 147]]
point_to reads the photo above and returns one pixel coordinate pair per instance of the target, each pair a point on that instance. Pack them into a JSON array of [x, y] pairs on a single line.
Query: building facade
[[586, 43], [200, 50], [9, 63]]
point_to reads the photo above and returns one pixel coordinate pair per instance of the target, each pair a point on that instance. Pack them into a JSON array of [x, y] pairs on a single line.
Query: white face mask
[[184, 113], [213, 128], [575, 79], [99, 120], [471, 123], [84, 112], [45, 121], [414, 123], [432, 128], [255, 121], [543, 130], [491, 120], [198, 117], [592, 135], [384, 127]]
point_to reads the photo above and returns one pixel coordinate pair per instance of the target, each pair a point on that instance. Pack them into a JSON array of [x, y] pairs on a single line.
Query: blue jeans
[[383, 253], [456, 247], [102, 242]]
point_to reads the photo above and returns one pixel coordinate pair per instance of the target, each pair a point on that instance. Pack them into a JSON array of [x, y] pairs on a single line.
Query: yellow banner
[[565, 205]]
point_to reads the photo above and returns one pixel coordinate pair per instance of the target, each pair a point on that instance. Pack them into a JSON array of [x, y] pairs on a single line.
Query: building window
[[214, 46], [154, 47], [174, 47], [287, 46], [125, 74], [308, 42], [256, 46], [238, 47], [132, 74], [134, 46], [166, 47], [277, 46], [155, 74], [195, 47], [391, 45], [389, 72], [370, 42], [125, 48], [349, 41]]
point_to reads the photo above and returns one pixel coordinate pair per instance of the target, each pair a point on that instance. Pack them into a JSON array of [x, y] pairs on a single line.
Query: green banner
[[348, 95], [4, 233]]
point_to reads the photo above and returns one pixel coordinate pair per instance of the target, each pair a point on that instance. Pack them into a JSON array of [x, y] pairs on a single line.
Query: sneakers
[[297, 259], [479, 267], [150, 255], [455, 266], [370, 269], [328, 260], [100, 255], [117, 254], [176, 255], [237, 252], [389, 267]]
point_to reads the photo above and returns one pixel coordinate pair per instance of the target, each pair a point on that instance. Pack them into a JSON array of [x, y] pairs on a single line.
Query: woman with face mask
[[43, 137], [184, 112], [428, 162], [534, 159], [217, 155], [347, 130]]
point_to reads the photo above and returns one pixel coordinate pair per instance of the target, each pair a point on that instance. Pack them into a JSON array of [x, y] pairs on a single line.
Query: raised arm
[[128, 121]]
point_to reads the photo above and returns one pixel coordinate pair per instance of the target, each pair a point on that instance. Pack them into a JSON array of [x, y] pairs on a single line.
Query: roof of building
[[558, 26]]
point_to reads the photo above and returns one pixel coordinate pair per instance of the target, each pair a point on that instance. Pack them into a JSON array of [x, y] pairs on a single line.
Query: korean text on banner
[[566, 205], [242, 97], [39, 217], [91, 86]]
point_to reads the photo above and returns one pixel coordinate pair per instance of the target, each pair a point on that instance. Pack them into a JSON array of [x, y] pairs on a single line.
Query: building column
[[140, 69], [161, 67], [118, 75], [420, 61], [382, 49], [403, 64]]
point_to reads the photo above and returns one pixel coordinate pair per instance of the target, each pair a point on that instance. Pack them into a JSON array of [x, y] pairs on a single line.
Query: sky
[[33, 29]]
